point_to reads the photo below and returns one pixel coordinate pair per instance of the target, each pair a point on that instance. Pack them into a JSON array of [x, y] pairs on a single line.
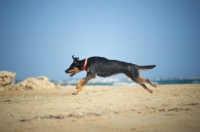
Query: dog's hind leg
[[145, 87], [140, 79]]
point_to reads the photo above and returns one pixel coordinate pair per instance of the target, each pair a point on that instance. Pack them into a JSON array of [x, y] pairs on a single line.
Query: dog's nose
[[65, 71]]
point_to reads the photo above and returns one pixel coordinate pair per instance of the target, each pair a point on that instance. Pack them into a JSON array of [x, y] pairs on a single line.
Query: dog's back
[[105, 67]]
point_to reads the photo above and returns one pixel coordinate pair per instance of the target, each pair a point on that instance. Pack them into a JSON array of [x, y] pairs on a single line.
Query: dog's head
[[75, 67]]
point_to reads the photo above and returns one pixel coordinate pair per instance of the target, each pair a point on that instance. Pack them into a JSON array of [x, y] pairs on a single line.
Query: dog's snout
[[65, 71]]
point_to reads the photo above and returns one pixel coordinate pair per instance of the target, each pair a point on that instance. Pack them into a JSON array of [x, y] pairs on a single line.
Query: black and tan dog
[[100, 66]]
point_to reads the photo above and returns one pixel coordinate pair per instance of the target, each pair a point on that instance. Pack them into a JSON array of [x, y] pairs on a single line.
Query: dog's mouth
[[71, 73]]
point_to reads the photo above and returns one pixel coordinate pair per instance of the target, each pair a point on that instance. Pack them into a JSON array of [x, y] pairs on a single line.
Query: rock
[[6, 78], [38, 83]]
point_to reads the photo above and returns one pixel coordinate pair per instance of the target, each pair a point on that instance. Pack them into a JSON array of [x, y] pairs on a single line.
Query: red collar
[[85, 64]]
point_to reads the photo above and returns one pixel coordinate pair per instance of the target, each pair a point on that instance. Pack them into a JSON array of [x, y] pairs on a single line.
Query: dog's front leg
[[83, 82], [80, 85]]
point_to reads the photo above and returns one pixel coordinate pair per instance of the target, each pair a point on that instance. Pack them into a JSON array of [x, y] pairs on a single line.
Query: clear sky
[[38, 37]]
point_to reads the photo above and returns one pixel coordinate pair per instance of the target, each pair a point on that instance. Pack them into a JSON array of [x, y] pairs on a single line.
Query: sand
[[102, 108]]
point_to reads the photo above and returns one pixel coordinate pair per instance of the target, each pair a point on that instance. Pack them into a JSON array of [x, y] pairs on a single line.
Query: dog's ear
[[75, 58]]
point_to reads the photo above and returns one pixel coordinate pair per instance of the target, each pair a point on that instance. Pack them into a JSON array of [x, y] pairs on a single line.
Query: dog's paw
[[75, 93], [154, 85], [150, 91]]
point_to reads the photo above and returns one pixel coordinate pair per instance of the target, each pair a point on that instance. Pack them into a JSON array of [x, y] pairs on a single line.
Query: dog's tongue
[[71, 74]]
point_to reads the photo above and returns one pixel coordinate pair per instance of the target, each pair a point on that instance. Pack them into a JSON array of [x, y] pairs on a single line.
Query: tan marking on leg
[[154, 85], [145, 87], [140, 79], [80, 85]]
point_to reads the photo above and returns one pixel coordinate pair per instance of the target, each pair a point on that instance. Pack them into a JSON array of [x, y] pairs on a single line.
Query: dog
[[100, 66]]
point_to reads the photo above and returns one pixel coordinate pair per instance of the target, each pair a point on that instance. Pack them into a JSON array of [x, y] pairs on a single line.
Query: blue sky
[[38, 37]]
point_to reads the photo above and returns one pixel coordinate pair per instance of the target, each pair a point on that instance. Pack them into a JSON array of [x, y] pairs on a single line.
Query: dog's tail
[[145, 67]]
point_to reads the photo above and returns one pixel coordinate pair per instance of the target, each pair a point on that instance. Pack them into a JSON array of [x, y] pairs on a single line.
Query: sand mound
[[38, 83]]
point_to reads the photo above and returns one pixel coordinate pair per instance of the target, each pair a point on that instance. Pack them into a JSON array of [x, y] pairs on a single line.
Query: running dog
[[100, 66]]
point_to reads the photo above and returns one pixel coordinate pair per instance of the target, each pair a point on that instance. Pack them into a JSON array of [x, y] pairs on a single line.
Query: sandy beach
[[102, 108]]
